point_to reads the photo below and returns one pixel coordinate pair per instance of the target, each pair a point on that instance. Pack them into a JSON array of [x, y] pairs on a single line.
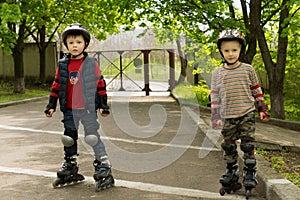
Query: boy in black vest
[[81, 91]]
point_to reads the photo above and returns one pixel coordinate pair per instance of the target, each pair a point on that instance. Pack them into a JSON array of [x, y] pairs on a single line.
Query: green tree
[[9, 14], [15, 45], [281, 14], [42, 19], [45, 18]]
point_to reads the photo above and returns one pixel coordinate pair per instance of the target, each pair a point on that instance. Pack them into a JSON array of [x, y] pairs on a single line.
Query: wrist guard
[[51, 105], [214, 123], [102, 104], [262, 107]]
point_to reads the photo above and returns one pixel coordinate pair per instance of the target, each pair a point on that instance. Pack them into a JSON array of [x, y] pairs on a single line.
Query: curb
[[271, 185], [293, 125], [12, 103]]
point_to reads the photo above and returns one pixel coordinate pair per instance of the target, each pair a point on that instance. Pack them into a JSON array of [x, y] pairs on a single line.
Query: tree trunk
[[42, 51], [43, 65], [183, 63], [277, 98], [275, 71], [251, 37], [19, 84]]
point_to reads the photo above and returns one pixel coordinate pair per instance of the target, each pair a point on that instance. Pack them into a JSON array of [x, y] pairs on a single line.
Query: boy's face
[[76, 44], [231, 50]]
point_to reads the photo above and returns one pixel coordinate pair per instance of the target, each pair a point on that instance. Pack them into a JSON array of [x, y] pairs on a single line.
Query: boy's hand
[[217, 123], [264, 116], [49, 113], [103, 113]]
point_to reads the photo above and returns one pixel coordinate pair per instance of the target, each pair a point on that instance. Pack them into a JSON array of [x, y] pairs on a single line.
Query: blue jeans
[[89, 121]]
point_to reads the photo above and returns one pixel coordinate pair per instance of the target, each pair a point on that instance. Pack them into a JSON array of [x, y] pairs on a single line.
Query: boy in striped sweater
[[235, 95]]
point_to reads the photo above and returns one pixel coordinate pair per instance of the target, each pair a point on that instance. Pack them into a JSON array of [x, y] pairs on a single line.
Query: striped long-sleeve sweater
[[234, 92]]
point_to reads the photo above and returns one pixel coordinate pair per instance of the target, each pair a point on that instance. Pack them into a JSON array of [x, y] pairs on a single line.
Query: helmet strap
[[231, 63], [72, 56], [224, 60]]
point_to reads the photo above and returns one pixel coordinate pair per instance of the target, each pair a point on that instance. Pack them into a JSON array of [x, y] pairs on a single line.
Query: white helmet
[[76, 29], [229, 35]]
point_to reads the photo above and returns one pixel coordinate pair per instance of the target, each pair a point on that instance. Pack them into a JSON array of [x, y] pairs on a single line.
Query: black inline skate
[[103, 176], [230, 179], [249, 176], [68, 173]]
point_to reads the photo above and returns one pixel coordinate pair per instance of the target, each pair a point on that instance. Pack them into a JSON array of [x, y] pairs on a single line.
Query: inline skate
[[102, 175], [230, 179], [68, 173], [249, 176]]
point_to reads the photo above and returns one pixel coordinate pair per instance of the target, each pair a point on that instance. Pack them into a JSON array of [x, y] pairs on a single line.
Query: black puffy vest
[[89, 83]]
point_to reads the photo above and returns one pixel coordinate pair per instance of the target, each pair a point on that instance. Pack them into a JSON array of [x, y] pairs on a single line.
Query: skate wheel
[[56, 183], [79, 177], [228, 191], [248, 192], [98, 188], [111, 181], [105, 183], [222, 191]]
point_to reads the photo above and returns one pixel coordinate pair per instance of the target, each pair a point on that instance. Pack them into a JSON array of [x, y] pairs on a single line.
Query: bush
[[196, 94]]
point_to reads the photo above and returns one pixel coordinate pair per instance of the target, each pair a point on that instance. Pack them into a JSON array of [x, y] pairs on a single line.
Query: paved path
[[157, 148]]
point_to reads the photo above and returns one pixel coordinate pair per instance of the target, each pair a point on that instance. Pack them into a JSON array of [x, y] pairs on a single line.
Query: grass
[[284, 162], [32, 90], [7, 96]]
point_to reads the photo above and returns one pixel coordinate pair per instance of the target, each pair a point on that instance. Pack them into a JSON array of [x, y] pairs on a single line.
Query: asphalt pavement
[[159, 149]]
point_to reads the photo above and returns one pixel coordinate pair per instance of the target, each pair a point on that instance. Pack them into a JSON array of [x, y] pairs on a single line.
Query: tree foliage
[[40, 20], [9, 15], [202, 20]]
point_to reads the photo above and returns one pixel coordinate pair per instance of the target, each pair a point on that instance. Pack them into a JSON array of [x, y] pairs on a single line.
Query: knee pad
[[91, 140], [251, 163], [247, 147], [91, 137], [69, 137], [229, 148]]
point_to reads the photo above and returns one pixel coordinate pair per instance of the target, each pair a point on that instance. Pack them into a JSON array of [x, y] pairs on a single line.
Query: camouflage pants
[[238, 128]]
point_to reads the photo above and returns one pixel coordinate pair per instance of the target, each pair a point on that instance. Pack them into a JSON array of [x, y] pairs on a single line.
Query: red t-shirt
[[74, 88]]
